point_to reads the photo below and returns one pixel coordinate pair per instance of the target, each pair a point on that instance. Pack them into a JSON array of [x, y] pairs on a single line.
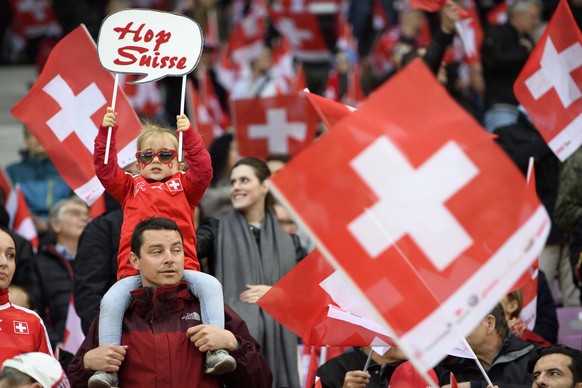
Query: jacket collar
[[157, 303]]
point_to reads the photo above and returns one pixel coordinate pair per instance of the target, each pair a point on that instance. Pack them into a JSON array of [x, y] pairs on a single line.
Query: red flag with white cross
[[303, 33], [275, 125], [323, 313], [550, 84], [17, 208], [416, 202], [65, 107]]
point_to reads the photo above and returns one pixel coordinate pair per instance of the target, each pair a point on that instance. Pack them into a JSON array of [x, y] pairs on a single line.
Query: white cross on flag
[[426, 215], [275, 125], [65, 107], [303, 33], [321, 314], [550, 84]]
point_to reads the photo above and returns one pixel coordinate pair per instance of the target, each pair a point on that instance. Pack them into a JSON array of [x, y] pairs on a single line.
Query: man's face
[[552, 371], [72, 222], [161, 258]]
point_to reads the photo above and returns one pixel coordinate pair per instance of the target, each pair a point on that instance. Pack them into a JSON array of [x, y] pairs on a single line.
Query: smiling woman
[[248, 251], [21, 330]]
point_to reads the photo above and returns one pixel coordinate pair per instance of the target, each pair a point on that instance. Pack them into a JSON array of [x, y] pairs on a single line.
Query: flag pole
[[180, 134], [477, 362], [530, 167], [368, 360], [113, 100]]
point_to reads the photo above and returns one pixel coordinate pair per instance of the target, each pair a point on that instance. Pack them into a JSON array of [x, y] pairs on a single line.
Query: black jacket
[[96, 264], [509, 368], [51, 288], [503, 58]]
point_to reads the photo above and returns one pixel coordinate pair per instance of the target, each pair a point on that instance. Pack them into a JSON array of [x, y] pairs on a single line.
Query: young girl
[[163, 190]]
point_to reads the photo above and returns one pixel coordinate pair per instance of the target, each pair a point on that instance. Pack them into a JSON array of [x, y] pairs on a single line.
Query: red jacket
[[175, 198], [21, 330], [160, 355]]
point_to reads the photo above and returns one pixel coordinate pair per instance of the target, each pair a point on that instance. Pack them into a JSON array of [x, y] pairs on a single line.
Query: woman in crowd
[[21, 330], [248, 251]]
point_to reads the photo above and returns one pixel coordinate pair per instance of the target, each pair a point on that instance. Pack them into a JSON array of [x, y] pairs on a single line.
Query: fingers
[[182, 122]]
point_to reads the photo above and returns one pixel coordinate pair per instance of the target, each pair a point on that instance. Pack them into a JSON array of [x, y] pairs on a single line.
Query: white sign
[[154, 43]]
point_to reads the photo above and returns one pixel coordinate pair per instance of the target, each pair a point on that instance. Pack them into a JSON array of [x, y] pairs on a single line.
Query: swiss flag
[[428, 5], [247, 38], [426, 208], [275, 125], [550, 85], [73, 337], [34, 18], [303, 33], [20, 219], [470, 32], [205, 124], [329, 111], [65, 107], [314, 314]]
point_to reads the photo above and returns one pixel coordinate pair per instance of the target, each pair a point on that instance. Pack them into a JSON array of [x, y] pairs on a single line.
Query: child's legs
[[209, 291], [113, 306]]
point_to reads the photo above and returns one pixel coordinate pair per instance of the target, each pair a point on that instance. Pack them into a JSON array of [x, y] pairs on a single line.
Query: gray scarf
[[239, 261]]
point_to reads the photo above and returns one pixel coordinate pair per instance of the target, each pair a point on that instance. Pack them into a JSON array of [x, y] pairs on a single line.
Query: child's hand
[[182, 123], [110, 118]]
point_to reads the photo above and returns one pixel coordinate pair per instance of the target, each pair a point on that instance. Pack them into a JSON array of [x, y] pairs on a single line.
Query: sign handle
[[114, 99], [180, 134]]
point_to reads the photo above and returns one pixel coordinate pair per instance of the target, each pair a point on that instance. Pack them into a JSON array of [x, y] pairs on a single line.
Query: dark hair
[[500, 321], [15, 378], [154, 223], [284, 158], [219, 152], [574, 354], [262, 172]]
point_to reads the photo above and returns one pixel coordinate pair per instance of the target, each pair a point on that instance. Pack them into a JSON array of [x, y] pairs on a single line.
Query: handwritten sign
[[157, 44]]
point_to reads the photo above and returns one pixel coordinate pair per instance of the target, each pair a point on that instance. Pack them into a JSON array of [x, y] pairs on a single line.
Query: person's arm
[[435, 51], [96, 265], [199, 173], [111, 176]]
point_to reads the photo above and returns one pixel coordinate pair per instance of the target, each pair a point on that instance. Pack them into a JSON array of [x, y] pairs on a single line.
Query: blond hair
[[150, 130]]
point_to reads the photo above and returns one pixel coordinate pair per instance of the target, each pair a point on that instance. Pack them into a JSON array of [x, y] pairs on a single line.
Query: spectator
[[260, 80], [223, 154], [568, 212], [20, 296], [160, 188], [248, 252], [163, 339], [556, 366], [347, 370], [39, 180], [521, 141], [21, 329], [504, 52], [96, 264], [33, 370], [24, 252], [503, 356], [53, 266], [276, 162], [512, 305]]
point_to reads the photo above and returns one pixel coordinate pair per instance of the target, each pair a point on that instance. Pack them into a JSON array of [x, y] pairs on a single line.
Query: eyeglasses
[[147, 156]]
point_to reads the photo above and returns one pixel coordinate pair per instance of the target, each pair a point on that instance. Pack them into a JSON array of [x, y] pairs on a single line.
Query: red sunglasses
[[147, 156]]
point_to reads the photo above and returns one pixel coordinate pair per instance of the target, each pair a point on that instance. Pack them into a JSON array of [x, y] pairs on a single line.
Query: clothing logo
[[140, 186], [191, 317], [174, 185], [20, 327], [159, 187]]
